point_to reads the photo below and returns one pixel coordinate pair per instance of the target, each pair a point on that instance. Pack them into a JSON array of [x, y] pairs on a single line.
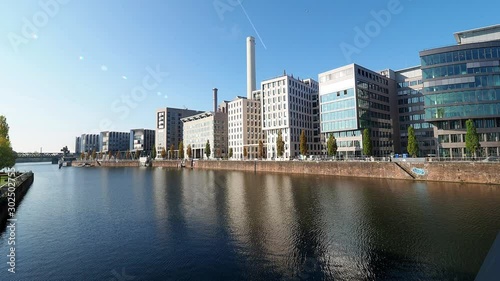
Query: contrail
[[253, 26]]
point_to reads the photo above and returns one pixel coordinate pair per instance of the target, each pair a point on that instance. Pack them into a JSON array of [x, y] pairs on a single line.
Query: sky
[[70, 67]]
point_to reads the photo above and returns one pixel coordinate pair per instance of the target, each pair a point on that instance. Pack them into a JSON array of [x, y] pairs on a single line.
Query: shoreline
[[458, 172]]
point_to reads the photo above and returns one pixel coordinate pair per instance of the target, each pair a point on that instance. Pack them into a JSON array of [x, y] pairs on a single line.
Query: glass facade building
[[462, 82], [353, 98]]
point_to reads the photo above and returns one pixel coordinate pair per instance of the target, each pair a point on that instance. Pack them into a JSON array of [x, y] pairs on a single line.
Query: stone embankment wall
[[467, 172]]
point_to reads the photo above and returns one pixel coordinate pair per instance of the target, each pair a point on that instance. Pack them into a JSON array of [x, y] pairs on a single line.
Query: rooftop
[[482, 34]]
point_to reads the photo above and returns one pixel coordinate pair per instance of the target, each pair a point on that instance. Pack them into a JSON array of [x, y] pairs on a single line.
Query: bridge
[[27, 157]]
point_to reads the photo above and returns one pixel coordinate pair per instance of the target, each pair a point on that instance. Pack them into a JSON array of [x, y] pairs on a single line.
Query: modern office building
[[169, 127], [114, 141], [462, 82], [287, 106], [411, 111], [78, 145], [208, 126], [142, 141], [244, 127], [89, 143], [353, 98]]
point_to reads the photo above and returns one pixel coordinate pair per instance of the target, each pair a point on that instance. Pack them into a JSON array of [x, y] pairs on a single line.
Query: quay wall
[[466, 172]]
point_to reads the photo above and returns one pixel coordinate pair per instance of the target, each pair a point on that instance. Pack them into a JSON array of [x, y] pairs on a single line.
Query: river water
[[183, 224]]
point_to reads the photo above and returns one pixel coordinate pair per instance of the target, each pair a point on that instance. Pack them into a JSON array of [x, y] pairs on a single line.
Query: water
[[169, 224]]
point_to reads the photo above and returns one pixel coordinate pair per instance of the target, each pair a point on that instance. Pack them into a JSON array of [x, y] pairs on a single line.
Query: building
[[287, 106], [114, 141], [89, 143], [353, 98], [462, 82], [411, 111], [208, 126], [169, 127], [142, 141], [244, 127], [78, 145]]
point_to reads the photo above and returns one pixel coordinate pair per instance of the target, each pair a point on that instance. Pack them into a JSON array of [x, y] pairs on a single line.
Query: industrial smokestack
[[250, 66], [215, 99]]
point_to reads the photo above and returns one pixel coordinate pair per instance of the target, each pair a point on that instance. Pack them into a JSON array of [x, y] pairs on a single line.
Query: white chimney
[[250, 66]]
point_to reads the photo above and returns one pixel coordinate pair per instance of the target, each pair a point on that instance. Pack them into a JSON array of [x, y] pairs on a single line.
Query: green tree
[[245, 152], [7, 155], [163, 153], [331, 146], [4, 127], [207, 149], [261, 149], [189, 151], [153, 152], [367, 143], [280, 145], [471, 138], [412, 147], [230, 153], [181, 150], [171, 151], [303, 143]]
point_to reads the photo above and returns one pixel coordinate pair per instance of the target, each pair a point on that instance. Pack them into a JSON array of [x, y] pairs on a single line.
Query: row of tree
[[7, 154]]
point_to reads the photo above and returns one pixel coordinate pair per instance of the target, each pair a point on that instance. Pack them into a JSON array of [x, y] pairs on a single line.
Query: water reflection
[[188, 224]]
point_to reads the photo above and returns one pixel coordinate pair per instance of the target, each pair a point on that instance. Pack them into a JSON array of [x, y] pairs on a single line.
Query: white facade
[[211, 126], [244, 127], [287, 106]]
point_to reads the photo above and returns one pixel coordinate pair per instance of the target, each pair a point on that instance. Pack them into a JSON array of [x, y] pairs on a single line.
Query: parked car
[[492, 159]]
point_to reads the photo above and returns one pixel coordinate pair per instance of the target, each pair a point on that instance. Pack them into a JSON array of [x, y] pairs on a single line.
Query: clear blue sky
[[67, 77]]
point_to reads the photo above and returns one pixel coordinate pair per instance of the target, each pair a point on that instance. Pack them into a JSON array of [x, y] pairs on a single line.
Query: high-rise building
[[78, 145], [354, 98], [114, 141], [287, 106], [142, 141], [169, 127], [462, 82], [411, 111], [89, 143], [244, 127]]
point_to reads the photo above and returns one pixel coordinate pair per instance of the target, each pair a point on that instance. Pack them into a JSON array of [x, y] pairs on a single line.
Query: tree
[[181, 150], [7, 155], [171, 151], [110, 154], [412, 147], [189, 151], [94, 154], [153, 152], [245, 152], [163, 153], [303, 143], [230, 153], [128, 155], [261, 149], [331, 146], [207, 149], [471, 138], [280, 145], [367, 143], [82, 156]]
